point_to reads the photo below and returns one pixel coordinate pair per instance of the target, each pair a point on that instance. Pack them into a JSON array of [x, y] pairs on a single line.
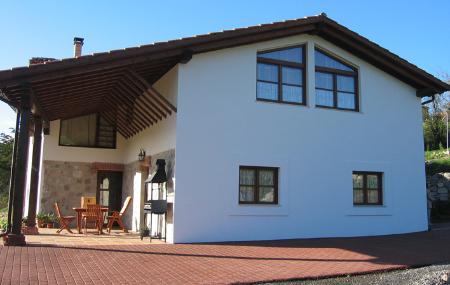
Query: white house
[[296, 129]]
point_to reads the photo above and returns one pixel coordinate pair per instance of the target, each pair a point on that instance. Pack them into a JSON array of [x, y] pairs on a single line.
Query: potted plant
[[50, 220], [3, 222], [144, 232], [24, 221], [40, 218]]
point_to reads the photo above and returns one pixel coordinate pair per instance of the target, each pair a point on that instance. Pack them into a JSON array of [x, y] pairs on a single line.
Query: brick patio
[[124, 259]]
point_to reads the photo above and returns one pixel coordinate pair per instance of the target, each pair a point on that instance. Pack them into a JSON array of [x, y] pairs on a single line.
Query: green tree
[[434, 130], [435, 115], [6, 151]]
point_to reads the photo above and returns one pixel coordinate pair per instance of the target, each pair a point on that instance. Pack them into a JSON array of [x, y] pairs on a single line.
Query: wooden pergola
[[119, 88], [119, 85], [124, 96]]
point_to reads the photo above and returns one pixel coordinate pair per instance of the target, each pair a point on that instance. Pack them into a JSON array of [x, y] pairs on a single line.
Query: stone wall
[[438, 186], [65, 183]]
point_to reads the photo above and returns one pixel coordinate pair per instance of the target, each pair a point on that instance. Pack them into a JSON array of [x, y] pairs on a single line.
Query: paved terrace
[[125, 259]]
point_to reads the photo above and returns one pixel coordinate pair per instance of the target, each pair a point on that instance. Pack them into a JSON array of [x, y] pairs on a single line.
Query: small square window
[[258, 185], [367, 188]]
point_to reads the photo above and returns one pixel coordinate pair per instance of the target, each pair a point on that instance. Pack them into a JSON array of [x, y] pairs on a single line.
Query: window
[[281, 76], [87, 131], [367, 188], [258, 185], [336, 83]]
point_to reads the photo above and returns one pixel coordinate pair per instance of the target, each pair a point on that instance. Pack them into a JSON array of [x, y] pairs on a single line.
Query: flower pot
[[144, 233], [50, 226]]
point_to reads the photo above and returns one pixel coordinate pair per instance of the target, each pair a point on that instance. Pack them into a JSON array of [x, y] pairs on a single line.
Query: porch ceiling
[[124, 96]]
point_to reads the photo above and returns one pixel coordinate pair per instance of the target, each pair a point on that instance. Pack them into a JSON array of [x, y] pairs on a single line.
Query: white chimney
[[77, 46]]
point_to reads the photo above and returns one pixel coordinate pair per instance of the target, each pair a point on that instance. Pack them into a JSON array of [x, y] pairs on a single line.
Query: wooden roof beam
[[36, 106], [113, 120], [137, 119], [129, 104], [145, 114], [75, 81], [140, 97], [5, 99], [74, 97], [63, 107], [77, 90], [149, 88], [121, 119], [112, 114], [148, 103]]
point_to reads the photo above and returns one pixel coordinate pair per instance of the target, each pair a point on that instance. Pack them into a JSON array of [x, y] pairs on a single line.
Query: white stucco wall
[[221, 126], [53, 151], [161, 136]]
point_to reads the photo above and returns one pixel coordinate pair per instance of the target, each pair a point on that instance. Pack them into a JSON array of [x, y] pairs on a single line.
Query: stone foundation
[[438, 186]]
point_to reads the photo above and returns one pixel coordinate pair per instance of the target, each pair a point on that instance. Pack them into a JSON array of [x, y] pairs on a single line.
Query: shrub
[[3, 221]]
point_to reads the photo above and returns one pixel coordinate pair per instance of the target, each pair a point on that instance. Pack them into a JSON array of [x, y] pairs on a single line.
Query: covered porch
[[131, 97]]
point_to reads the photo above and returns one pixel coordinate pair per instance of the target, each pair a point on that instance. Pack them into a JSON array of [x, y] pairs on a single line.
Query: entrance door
[[109, 189]]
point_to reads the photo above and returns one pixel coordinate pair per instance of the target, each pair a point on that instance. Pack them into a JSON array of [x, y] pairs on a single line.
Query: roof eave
[[320, 25]]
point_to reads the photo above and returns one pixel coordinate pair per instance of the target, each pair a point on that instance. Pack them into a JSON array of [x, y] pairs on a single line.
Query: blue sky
[[416, 30]]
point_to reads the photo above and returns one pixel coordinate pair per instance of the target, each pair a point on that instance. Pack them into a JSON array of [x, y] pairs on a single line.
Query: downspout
[[429, 101]]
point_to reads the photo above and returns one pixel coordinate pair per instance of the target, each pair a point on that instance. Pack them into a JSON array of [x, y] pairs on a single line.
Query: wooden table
[[80, 212]]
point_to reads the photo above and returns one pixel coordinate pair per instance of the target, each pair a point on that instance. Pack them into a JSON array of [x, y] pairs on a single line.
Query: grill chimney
[[77, 46], [160, 175]]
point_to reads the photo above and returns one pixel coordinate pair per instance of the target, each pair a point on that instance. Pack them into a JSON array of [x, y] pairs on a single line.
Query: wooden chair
[[94, 215], [64, 221], [117, 216]]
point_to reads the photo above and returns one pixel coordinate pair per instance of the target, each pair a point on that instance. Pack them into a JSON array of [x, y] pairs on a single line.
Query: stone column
[[15, 237], [13, 170], [35, 170]]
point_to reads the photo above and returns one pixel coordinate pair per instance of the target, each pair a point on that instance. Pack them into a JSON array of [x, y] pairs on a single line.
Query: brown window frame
[[280, 64], [335, 73], [97, 132], [365, 189], [255, 201]]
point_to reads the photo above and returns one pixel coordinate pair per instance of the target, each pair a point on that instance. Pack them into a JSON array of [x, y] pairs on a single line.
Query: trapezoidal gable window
[[87, 131], [336, 83], [367, 188], [258, 185], [281, 76]]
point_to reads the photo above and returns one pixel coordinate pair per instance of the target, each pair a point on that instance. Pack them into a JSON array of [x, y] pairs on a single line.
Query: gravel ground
[[429, 275]]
